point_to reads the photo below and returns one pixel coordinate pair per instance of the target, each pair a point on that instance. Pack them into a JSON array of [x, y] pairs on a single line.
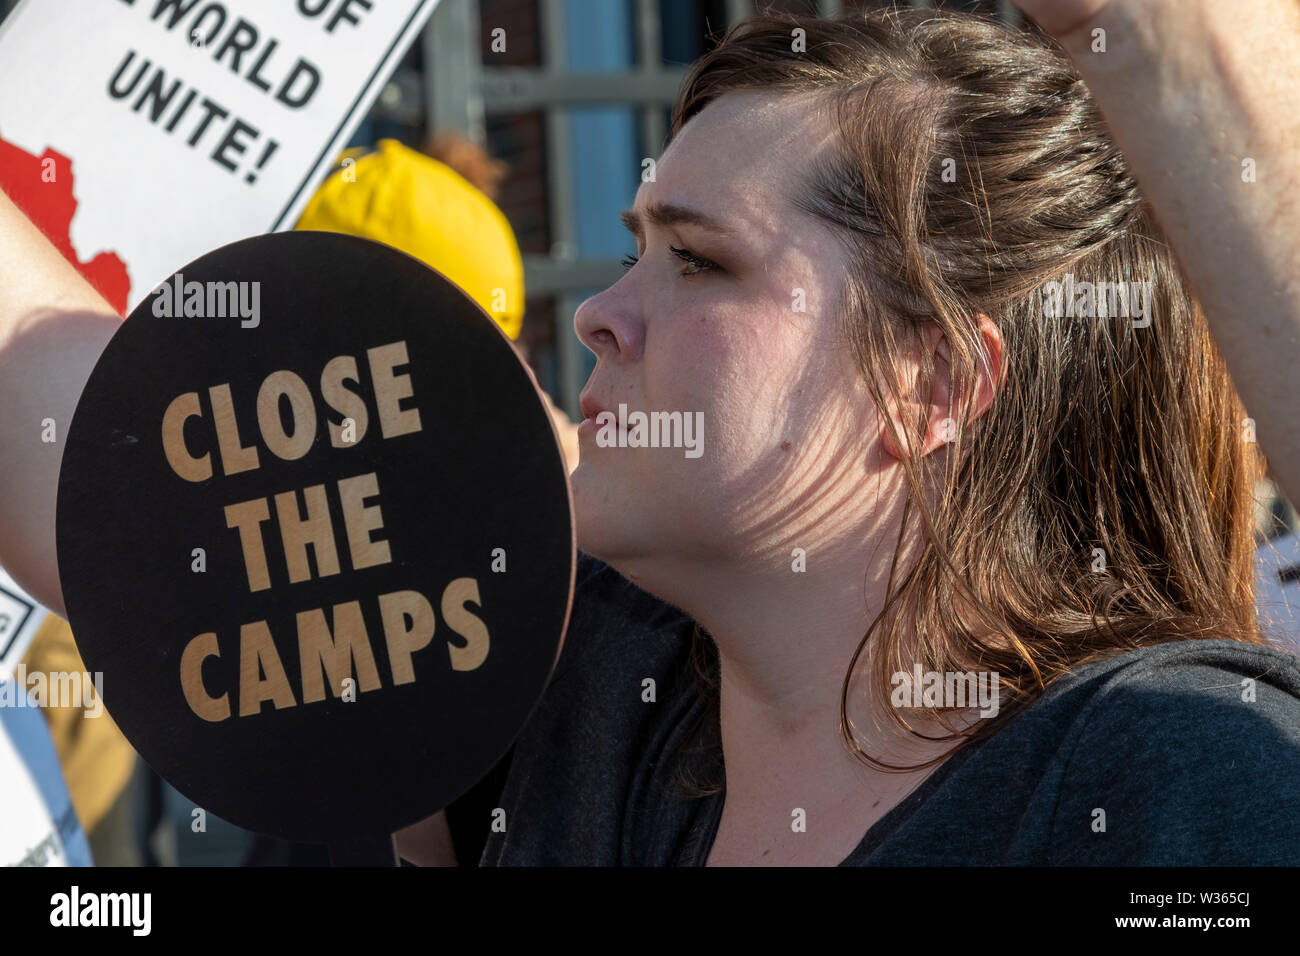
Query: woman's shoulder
[[1189, 683], [615, 623], [600, 590], [621, 685], [1184, 753]]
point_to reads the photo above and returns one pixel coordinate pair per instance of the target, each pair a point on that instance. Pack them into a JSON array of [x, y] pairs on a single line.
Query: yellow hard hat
[[410, 201]]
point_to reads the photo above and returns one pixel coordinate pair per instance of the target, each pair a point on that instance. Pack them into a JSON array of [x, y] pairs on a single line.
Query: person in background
[[468, 158], [38, 821], [442, 215], [437, 207], [98, 763], [96, 760]]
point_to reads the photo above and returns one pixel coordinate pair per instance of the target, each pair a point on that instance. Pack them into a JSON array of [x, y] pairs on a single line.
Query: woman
[[910, 467], [848, 263]]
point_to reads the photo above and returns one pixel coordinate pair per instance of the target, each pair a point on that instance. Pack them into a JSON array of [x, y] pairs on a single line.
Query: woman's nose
[[608, 324]]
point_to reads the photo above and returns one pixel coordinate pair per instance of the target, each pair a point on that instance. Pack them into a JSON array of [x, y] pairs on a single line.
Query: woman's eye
[[696, 263]]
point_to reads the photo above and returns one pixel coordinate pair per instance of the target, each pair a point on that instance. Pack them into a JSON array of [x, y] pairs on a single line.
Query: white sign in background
[[1277, 589], [20, 618], [191, 124]]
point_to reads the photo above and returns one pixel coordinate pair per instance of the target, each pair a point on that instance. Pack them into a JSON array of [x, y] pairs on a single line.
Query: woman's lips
[[592, 410]]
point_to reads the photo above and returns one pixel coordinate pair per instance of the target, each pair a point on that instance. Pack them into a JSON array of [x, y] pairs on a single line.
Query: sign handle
[[364, 851]]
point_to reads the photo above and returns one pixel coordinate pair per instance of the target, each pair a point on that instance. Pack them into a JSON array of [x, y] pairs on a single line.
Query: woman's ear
[[928, 340], [990, 373], [887, 436]]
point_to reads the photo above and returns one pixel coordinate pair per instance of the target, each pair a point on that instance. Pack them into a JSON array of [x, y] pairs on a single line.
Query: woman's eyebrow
[[668, 214]]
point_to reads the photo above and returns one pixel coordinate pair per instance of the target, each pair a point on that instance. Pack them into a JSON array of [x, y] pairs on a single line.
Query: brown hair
[[972, 169], [470, 160]]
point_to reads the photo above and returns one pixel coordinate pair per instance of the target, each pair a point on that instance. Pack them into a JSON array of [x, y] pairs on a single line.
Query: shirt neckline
[[710, 815]]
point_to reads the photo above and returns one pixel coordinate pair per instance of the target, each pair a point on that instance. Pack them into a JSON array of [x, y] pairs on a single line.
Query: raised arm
[[1192, 90], [53, 328]]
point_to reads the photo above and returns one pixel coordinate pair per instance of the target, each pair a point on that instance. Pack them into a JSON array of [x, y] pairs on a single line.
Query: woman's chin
[[590, 526]]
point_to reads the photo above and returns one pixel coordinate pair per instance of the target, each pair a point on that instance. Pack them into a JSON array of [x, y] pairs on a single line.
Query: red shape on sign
[[49, 202]]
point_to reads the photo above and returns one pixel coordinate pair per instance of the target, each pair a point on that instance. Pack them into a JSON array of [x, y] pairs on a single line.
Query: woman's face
[[730, 316]]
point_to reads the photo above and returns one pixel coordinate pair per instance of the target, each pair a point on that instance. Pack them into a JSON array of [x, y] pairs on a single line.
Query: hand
[[564, 427], [567, 431]]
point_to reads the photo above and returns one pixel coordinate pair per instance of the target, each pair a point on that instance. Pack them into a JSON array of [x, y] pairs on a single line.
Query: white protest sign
[[20, 618], [144, 133]]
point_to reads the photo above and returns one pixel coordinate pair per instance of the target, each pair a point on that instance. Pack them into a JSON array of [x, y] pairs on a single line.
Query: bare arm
[[427, 843], [53, 328], [1191, 89]]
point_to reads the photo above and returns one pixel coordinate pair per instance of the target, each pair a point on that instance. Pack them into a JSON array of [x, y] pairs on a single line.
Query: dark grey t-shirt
[[1164, 747]]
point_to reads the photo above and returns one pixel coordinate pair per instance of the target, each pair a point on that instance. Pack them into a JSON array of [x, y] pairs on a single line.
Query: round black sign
[[314, 528]]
